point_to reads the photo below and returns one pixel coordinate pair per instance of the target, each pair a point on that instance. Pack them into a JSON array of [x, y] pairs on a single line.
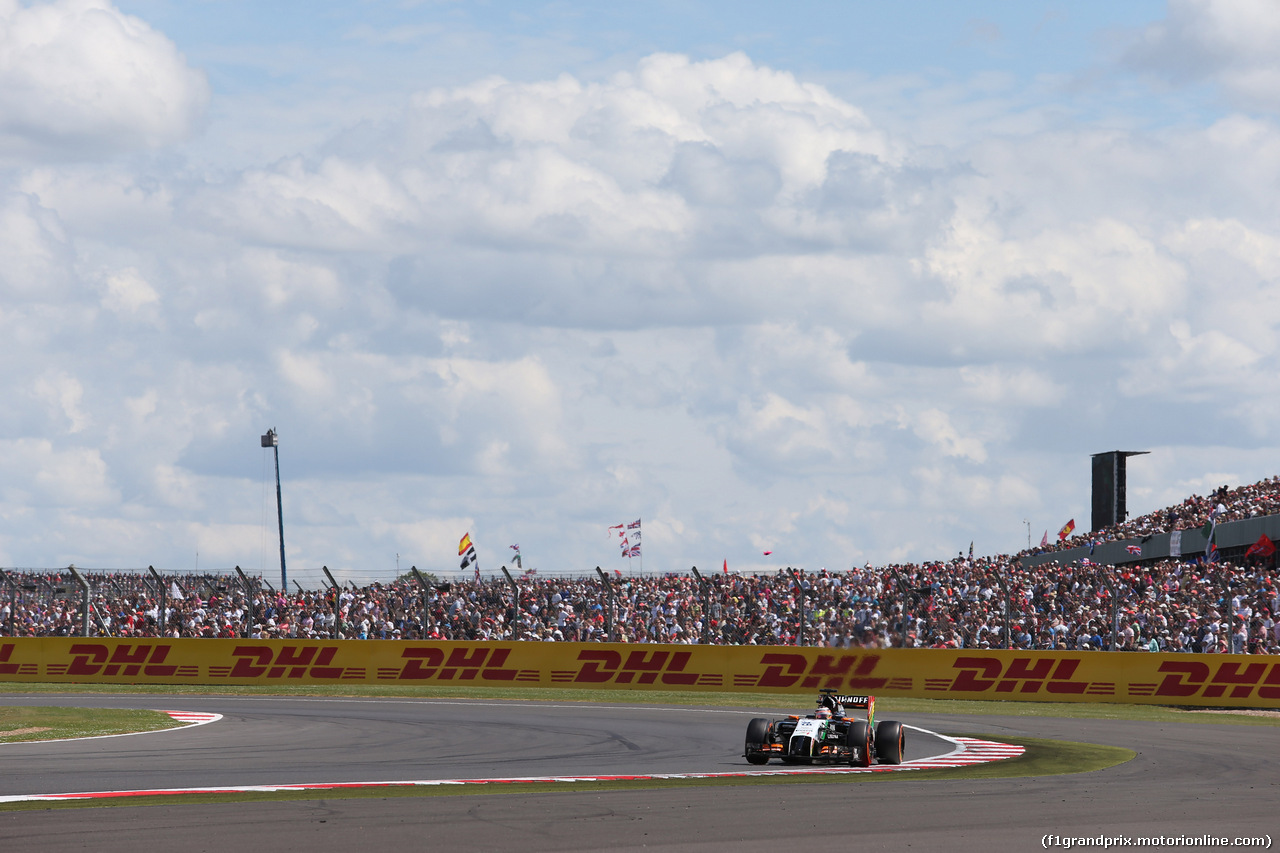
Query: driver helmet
[[824, 713]]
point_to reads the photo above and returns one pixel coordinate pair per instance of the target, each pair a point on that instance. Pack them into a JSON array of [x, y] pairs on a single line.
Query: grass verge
[[781, 702], [32, 724]]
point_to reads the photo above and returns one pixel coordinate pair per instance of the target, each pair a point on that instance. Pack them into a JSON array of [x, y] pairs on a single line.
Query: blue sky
[[849, 282]]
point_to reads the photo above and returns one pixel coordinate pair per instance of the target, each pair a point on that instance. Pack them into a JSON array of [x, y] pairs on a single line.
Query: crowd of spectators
[[1166, 606], [1224, 504], [985, 602]]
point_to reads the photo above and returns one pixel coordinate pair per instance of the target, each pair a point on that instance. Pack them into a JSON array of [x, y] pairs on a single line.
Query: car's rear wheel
[[757, 733], [859, 744], [890, 741]]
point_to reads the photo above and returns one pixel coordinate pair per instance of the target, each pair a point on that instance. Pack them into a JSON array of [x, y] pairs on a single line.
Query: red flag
[[726, 567], [1264, 547], [1066, 529]]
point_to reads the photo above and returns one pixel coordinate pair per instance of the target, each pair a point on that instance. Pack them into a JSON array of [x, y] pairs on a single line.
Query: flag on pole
[[1066, 529], [726, 566], [519, 564], [1210, 527], [468, 553], [176, 592], [1264, 547], [635, 525], [1044, 540]]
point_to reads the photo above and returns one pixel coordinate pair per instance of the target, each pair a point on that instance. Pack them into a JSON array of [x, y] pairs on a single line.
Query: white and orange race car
[[828, 735]]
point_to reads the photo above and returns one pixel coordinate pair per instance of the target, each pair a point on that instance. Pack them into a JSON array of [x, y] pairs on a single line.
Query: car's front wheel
[[890, 741], [757, 733]]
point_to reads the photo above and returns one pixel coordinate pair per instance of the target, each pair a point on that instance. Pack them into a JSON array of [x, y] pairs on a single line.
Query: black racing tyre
[[890, 742], [757, 733], [859, 744]]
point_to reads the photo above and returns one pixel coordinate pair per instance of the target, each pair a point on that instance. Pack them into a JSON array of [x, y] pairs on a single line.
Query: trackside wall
[[1037, 676]]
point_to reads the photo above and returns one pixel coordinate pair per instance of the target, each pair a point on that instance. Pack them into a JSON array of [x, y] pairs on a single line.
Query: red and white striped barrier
[[193, 718]]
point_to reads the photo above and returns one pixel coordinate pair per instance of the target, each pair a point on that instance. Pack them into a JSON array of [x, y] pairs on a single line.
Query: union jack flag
[[1134, 549]]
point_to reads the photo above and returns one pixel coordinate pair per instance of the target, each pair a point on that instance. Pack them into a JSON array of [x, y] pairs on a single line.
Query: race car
[[827, 735]]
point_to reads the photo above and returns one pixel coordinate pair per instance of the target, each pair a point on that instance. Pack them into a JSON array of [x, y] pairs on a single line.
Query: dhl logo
[[979, 674], [607, 666], [1192, 678], [7, 668], [854, 672], [126, 659], [284, 662], [461, 664], [1057, 676]]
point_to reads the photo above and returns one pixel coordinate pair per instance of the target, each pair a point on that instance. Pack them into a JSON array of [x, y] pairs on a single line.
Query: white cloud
[[1233, 43], [63, 395], [128, 292], [37, 473], [79, 77], [35, 259], [935, 427], [710, 293], [1067, 288], [1010, 385]]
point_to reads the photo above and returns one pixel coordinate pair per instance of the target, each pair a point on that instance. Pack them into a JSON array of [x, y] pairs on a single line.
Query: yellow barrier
[[1130, 677]]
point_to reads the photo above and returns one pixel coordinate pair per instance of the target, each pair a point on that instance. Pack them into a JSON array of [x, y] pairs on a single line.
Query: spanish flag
[[464, 544]]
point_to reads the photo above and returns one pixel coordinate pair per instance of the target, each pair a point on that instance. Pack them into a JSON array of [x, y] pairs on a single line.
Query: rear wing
[[831, 698]]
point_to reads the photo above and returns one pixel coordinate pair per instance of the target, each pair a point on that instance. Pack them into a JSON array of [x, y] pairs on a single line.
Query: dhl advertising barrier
[[1131, 677]]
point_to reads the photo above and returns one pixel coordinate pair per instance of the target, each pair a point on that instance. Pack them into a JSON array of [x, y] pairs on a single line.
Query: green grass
[[30, 724], [1083, 710]]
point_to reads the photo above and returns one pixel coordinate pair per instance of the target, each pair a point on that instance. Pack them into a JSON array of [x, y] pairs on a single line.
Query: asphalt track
[[1188, 779]]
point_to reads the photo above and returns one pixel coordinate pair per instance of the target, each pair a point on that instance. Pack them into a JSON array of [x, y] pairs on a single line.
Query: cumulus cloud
[[35, 258], [642, 162], [79, 78], [1231, 43], [711, 293]]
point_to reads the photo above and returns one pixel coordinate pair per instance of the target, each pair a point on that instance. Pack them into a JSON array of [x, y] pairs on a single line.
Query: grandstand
[[1146, 584]]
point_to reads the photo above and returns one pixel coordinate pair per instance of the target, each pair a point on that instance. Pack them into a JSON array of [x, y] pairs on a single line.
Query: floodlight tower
[[272, 440]]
